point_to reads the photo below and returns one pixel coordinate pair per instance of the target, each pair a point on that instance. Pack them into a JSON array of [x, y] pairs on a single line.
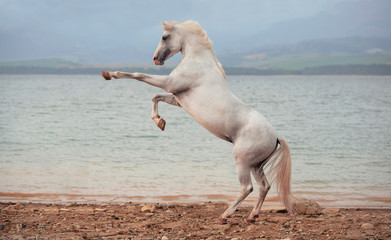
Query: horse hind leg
[[165, 97], [245, 189], [264, 186]]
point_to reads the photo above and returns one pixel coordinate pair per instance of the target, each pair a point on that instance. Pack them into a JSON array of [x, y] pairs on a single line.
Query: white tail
[[280, 172]]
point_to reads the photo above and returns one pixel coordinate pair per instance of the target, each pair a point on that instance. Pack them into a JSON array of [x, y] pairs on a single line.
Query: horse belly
[[216, 126], [213, 123]]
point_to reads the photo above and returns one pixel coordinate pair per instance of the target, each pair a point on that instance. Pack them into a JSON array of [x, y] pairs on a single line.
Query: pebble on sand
[[148, 208], [367, 226], [307, 207]]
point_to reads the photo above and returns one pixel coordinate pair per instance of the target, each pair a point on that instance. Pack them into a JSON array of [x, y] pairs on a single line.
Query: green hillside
[[44, 63], [301, 62], [319, 53]]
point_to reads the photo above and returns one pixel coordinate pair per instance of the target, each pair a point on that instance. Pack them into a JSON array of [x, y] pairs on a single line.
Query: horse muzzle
[[160, 56], [157, 62]]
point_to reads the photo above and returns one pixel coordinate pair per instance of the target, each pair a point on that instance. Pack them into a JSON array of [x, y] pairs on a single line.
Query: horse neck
[[195, 52], [200, 54]]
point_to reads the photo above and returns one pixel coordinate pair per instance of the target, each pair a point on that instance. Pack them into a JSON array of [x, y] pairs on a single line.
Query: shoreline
[[184, 221], [270, 201]]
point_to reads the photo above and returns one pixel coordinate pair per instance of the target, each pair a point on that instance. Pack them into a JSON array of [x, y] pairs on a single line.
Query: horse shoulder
[[182, 79]]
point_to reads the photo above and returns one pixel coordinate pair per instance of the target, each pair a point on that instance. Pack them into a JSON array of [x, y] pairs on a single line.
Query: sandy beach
[[184, 221]]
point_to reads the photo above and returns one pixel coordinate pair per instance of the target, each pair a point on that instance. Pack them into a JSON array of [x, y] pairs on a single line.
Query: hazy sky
[[217, 16], [41, 28]]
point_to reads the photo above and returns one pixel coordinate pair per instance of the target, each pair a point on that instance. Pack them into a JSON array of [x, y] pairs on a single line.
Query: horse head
[[170, 43]]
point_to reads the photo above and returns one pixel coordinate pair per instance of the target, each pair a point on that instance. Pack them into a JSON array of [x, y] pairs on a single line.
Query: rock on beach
[[367, 226], [307, 207]]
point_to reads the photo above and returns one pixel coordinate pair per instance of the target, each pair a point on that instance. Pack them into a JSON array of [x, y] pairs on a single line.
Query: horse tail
[[280, 172]]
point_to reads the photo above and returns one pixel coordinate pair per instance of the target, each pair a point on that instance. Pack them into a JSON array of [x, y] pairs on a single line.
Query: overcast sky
[[223, 15], [40, 28]]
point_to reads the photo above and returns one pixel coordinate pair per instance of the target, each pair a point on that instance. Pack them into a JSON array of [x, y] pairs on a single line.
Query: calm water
[[82, 138]]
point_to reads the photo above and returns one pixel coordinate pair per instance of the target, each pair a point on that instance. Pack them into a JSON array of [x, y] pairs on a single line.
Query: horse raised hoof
[[105, 75], [161, 124]]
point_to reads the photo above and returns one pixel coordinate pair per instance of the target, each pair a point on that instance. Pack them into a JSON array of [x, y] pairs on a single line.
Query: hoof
[[251, 218], [161, 124], [222, 221], [105, 75]]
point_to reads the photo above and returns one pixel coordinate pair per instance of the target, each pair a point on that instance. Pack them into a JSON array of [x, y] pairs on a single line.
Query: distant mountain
[[314, 53], [375, 64], [45, 63]]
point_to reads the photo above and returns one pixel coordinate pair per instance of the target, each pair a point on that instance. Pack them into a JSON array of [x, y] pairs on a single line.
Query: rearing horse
[[198, 85]]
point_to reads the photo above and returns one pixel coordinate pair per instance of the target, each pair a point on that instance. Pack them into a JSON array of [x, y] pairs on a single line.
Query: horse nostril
[[154, 58]]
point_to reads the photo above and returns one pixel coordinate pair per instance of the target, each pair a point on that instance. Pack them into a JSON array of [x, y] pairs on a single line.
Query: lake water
[[80, 138]]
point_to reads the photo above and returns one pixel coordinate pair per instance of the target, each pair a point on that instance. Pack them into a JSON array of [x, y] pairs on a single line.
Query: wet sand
[[184, 221]]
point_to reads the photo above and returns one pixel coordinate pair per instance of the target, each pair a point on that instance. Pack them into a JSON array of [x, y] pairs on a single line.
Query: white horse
[[198, 85]]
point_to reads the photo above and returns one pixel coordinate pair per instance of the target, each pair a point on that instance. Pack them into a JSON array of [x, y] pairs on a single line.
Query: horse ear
[[168, 25]]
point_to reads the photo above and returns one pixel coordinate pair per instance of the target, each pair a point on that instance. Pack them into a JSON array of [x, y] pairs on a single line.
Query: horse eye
[[165, 37]]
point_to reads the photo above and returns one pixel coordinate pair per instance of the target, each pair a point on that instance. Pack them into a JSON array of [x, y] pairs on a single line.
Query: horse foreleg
[[245, 189], [160, 81], [165, 97], [264, 187]]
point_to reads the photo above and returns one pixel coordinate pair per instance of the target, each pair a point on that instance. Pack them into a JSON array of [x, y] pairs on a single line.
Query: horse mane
[[195, 27]]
